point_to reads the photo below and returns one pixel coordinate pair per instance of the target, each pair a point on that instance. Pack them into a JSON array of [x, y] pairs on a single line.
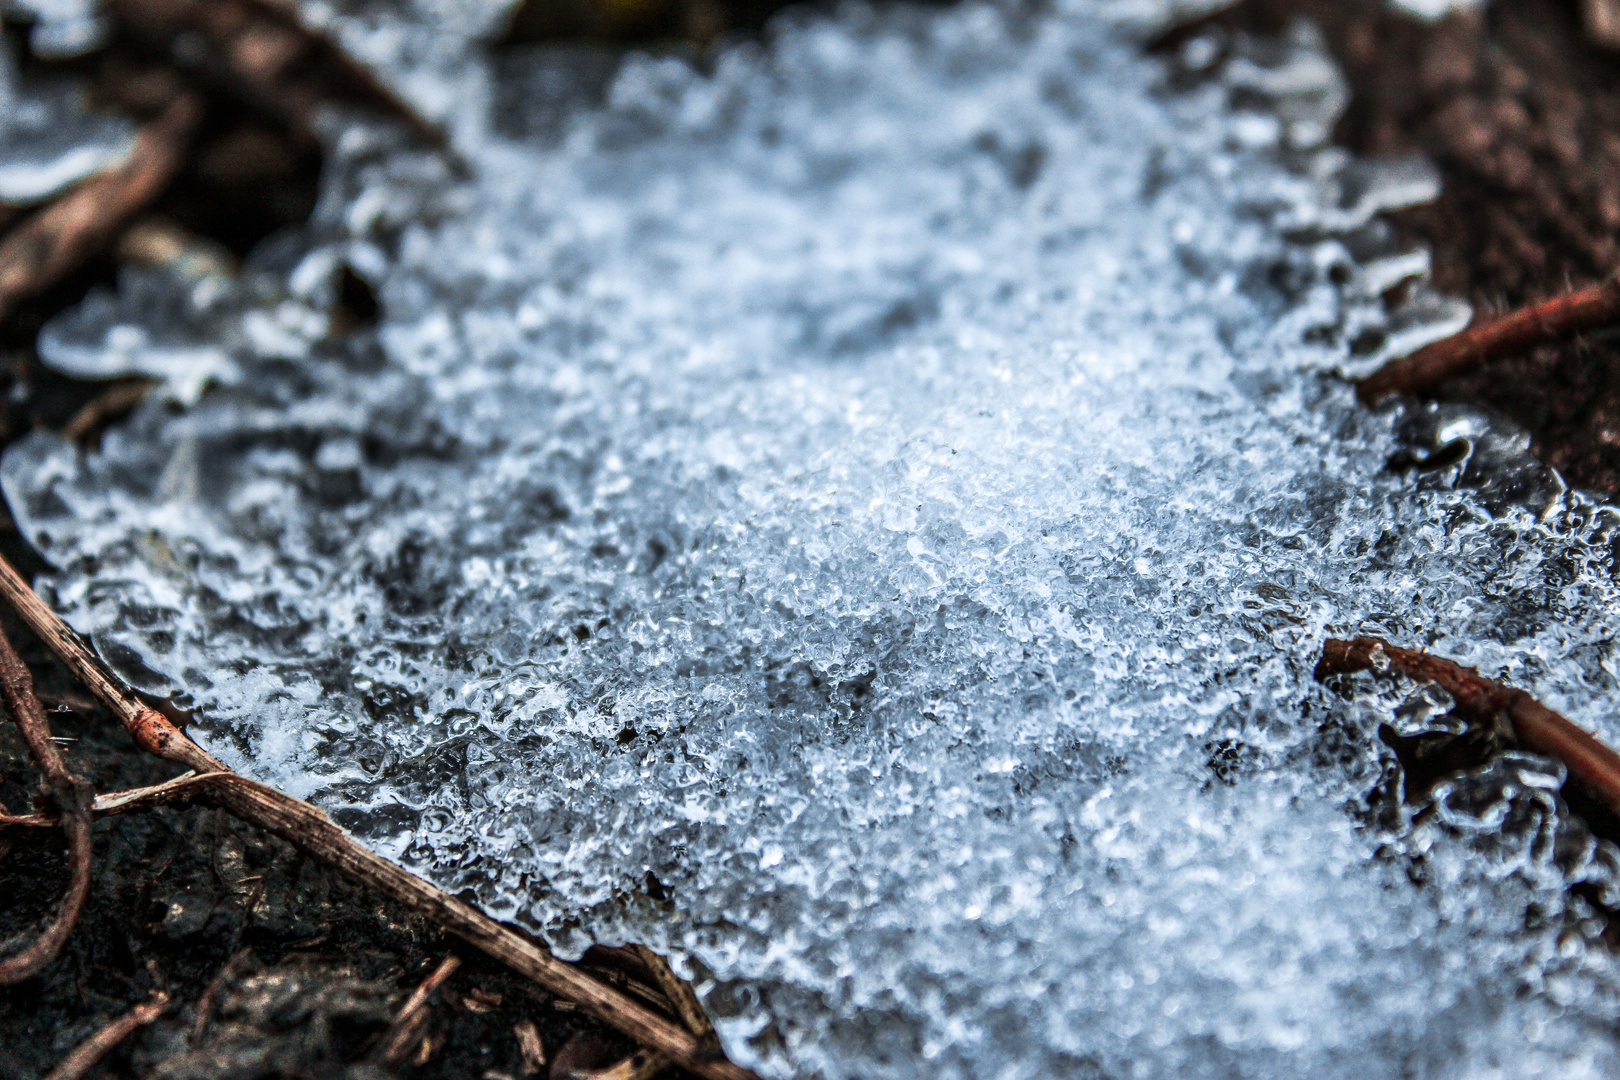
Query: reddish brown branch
[[113, 403], [92, 1050], [72, 796], [1585, 309], [1485, 701], [51, 244]]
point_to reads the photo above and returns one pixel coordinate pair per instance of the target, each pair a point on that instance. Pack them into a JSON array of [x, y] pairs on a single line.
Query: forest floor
[[278, 968]]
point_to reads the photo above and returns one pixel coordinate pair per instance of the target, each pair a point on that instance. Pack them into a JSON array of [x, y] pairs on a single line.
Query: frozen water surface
[[863, 519]]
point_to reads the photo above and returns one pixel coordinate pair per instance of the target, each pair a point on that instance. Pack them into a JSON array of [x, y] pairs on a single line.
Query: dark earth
[[278, 968]]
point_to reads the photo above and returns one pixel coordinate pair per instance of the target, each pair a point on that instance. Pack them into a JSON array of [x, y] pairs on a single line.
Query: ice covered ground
[[863, 519]]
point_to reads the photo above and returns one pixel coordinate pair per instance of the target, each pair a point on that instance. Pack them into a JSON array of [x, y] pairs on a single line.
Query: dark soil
[[1522, 115]]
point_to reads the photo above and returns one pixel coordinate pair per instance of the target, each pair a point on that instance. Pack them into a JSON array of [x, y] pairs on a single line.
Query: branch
[[406, 1031], [69, 792], [1585, 309], [262, 52], [54, 242], [150, 728], [310, 830], [679, 993], [180, 789], [1534, 726], [92, 1050]]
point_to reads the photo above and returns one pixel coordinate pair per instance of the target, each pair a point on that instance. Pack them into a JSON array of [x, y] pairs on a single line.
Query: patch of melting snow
[[863, 520], [50, 138]]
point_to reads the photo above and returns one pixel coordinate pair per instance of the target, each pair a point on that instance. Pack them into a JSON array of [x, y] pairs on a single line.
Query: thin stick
[[114, 803], [309, 829], [679, 993], [1535, 727], [88, 1053], [204, 1008], [111, 404], [362, 75], [1585, 309], [641, 1065], [70, 793], [406, 1030], [263, 51], [51, 244]]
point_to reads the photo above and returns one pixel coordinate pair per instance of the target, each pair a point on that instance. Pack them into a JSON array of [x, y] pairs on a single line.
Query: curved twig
[[72, 796], [92, 1050], [1585, 309], [1534, 726]]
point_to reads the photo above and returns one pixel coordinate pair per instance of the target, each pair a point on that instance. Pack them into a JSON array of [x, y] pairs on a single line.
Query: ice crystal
[[64, 28], [49, 138], [862, 519]]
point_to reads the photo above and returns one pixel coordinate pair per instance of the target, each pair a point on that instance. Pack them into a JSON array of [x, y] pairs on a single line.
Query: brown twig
[[113, 403], [72, 796], [152, 731], [203, 1010], [51, 244], [679, 993], [1533, 726], [406, 1030], [88, 1053], [178, 790], [1585, 309], [262, 52], [310, 830], [641, 1065]]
